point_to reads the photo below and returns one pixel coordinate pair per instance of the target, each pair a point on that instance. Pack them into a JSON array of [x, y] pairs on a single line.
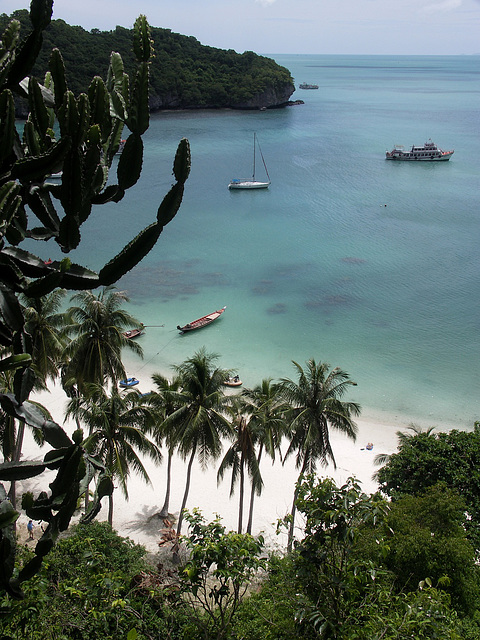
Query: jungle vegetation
[[183, 74]]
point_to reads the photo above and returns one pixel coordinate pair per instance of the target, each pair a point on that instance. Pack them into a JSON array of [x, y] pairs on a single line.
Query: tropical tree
[[199, 421], [220, 567], [94, 353], [240, 456], [267, 424], [423, 459], [117, 426], [344, 581], [46, 325], [163, 400], [428, 537], [315, 405], [403, 438]]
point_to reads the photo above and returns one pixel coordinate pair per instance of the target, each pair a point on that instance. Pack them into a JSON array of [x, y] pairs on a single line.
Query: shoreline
[[134, 518], [143, 370]]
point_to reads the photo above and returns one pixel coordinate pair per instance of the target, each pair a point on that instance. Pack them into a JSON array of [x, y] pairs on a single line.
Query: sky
[[410, 27]]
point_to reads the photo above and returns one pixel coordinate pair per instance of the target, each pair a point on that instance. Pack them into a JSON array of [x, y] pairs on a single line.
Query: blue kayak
[[129, 382]]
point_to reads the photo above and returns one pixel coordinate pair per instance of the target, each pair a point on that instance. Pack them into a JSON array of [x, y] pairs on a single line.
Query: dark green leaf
[[131, 255], [130, 162], [170, 204], [57, 69], [20, 470], [11, 310], [182, 162]]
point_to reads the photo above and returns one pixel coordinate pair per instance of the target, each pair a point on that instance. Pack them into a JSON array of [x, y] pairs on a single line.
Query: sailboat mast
[[254, 146]]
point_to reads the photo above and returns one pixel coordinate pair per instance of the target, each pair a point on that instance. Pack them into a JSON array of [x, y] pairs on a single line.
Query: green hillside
[[184, 73]]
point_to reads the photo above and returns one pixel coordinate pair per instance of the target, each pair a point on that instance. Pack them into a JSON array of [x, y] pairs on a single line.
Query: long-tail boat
[[201, 322]]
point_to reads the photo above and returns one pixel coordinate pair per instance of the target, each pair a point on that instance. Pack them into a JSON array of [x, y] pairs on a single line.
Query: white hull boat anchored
[[248, 184], [252, 183], [427, 153]]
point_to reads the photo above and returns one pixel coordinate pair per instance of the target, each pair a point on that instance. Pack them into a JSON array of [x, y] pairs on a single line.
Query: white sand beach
[[135, 517]]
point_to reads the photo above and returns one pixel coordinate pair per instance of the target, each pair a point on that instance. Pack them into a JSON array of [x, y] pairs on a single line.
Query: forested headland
[[184, 74]]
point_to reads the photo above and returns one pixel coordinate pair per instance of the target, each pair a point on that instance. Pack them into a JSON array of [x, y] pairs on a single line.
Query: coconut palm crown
[[315, 405], [118, 426], [94, 353]]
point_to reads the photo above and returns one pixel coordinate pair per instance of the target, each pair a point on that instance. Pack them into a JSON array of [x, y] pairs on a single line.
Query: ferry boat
[[428, 152], [305, 85]]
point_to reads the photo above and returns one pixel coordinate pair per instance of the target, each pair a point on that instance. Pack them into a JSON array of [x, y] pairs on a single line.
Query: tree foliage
[[218, 572], [184, 73], [425, 459], [94, 584], [347, 593], [428, 540]]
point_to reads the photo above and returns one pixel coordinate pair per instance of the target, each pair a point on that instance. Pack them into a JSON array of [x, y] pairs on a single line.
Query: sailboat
[[253, 183]]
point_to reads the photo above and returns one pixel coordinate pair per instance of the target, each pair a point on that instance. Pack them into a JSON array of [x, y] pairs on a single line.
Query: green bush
[[269, 611], [95, 584]]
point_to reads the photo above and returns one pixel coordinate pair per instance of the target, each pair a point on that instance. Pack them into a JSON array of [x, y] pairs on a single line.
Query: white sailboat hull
[[248, 184], [237, 183]]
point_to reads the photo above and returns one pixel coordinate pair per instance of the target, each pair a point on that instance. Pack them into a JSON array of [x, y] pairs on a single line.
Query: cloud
[[265, 3], [443, 6]]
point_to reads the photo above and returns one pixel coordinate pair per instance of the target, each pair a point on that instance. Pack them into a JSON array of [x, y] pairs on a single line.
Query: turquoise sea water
[[369, 265]]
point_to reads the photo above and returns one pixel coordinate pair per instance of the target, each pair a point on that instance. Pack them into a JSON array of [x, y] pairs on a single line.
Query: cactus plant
[[78, 135]]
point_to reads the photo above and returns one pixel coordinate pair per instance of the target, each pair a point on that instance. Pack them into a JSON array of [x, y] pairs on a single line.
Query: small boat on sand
[[128, 383], [134, 333], [234, 381], [201, 322]]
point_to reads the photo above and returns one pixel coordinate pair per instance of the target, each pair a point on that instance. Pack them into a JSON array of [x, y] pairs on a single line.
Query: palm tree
[[199, 420], [267, 422], [315, 405], [94, 353], [117, 426], [163, 401], [46, 325], [241, 454], [382, 458]]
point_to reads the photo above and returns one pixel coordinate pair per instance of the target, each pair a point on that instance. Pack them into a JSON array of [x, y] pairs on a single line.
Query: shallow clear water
[[369, 265]]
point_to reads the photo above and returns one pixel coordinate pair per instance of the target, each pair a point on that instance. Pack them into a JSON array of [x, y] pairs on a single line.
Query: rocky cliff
[[269, 98]]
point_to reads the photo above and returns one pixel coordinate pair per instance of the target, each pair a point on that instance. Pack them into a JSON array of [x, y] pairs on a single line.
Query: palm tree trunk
[[252, 494], [164, 510], [292, 523], [17, 453], [110, 509], [294, 508], [240, 501], [187, 489]]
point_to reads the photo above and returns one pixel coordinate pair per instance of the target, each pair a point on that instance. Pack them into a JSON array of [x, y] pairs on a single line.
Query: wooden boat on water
[[128, 383], [233, 382], [134, 333], [201, 322]]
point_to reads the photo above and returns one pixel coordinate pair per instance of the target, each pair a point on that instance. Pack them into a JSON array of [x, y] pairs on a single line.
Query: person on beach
[[30, 530]]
